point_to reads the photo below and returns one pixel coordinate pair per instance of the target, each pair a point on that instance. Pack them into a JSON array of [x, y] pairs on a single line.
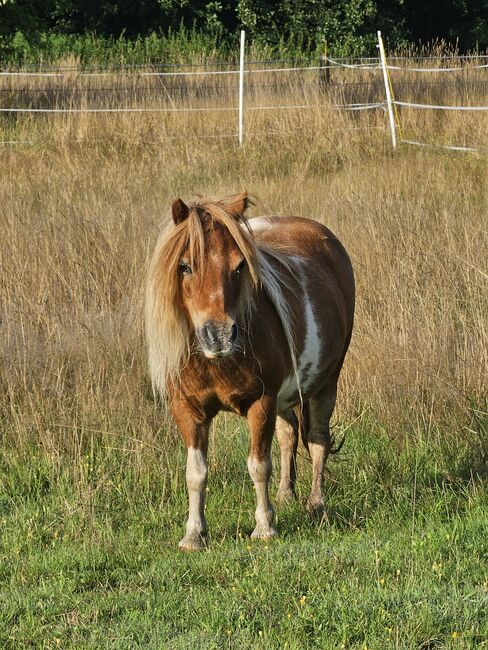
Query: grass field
[[92, 494], [91, 561]]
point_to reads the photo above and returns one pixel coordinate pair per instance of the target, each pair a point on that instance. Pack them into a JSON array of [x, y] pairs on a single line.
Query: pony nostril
[[208, 333], [216, 336]]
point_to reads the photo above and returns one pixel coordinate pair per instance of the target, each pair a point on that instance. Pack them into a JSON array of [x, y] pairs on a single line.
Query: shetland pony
[[253, 317]]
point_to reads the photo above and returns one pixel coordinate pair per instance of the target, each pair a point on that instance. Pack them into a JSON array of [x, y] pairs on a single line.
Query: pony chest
[[240, 395], [229, 390]]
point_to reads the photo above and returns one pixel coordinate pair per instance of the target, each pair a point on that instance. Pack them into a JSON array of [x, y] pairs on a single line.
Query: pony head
[[212, 274], [201, 284]]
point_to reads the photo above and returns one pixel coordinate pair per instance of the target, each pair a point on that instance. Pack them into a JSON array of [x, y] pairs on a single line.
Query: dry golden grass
[[80, 209]]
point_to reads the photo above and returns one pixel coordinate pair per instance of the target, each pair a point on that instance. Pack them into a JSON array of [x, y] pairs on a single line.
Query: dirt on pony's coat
[[253, 317]]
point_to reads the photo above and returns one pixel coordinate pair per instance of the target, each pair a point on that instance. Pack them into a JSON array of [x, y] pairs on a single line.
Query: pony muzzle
[[217, 339]]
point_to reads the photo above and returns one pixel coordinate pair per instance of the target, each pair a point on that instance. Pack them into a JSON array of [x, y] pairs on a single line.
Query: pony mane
[[167, 329]]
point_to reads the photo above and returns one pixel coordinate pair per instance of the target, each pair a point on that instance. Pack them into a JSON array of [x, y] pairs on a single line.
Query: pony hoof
[[285, 497], [264, 533], [316, 509], [192, 543]]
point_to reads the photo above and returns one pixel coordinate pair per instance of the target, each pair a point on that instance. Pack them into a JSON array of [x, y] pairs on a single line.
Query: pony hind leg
[[320, 444], [287, 434]]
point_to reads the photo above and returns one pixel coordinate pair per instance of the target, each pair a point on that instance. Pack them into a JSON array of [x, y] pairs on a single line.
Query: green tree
[[342, 24], [464, 22], [349, 26]]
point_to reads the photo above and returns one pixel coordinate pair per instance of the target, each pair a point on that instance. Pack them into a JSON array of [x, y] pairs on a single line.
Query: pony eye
[[184, 268], [240, 267]]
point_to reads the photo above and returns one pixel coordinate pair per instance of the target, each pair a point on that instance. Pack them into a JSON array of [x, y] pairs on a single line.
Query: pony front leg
[[195, 435], [262, 417]]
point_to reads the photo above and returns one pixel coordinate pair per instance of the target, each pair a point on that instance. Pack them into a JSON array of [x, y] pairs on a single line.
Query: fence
[[392, 104], [168, 90]]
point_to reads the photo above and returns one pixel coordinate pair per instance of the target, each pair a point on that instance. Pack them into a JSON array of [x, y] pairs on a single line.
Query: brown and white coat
[[253, 317]]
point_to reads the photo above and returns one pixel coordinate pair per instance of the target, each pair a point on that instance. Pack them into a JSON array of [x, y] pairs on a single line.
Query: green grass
[[184, 46], [89, 558]]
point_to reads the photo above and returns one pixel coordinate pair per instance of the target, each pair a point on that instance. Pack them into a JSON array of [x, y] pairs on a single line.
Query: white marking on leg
[[260, 472], [196, 480]]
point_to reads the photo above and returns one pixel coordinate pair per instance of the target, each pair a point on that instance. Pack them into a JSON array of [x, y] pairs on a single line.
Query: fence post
[[389, 101], [324, 69], [241, 88]]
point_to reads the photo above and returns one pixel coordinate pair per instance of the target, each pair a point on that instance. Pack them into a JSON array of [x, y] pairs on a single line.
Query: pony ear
[[180, 211], [238, 204]]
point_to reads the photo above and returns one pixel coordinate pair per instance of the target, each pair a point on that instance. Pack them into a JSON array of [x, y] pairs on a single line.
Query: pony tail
[[302, 414]]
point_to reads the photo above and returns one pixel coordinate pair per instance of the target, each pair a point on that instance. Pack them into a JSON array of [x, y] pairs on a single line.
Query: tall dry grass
[[81, 207]]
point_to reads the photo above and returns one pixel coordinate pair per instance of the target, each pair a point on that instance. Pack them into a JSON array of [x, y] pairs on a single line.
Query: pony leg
[[287, 434], [320, 445], [196, 481], [262, 418], [195, 435]]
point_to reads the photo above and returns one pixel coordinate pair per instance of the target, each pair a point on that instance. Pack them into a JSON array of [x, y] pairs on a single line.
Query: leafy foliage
[[348, 26]]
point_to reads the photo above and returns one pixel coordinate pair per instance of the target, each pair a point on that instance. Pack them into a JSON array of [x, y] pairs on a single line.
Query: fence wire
[[178, 82]]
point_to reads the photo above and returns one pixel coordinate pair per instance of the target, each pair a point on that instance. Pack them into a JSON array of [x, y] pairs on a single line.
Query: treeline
[[143, 30]]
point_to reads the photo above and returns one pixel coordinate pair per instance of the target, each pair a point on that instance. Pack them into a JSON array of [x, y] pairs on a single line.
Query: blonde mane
[[167, 331]]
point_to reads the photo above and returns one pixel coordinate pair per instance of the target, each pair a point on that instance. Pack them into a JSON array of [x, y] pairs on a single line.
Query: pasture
[[92, 491]]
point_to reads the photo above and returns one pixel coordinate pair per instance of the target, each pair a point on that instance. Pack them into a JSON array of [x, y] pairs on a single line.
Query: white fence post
[[241, 88], [389, 101]]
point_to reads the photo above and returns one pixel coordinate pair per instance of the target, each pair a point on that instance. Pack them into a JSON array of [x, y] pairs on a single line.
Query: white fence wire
[[209, 109], [442, 146], [375, 64], [430, 70], [440, 107], [189, 73]]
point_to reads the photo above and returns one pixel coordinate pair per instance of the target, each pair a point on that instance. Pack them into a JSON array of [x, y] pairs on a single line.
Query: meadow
[[92, 490]]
